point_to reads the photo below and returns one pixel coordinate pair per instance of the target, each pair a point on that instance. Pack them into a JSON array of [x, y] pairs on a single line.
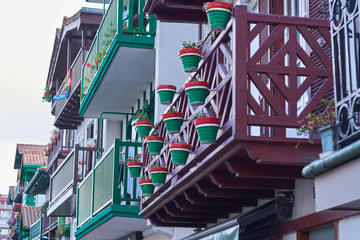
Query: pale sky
[[27, 33]]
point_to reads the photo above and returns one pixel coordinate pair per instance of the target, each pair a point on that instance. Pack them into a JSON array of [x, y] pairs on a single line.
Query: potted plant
[[166, 93], [49, 147], [173, 120], [196, 91], [56, 134], [63, 231], [207, 128], [158, 174], [147, 187], [143, 125], [218, 14], [154, 143], [190, 56], [134, 166], [325, 123], [179, 153]]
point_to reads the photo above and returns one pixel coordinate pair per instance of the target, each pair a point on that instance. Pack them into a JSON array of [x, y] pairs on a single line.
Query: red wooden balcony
[[266, 72]]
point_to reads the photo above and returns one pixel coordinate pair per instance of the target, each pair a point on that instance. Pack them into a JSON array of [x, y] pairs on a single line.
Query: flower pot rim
[[181, 145], [172, 114], [143, 123], [150, 138], [218, 5], [145, 181], [329, 126], [153, 169], [169, 86], [206, 120], [134, 164], [190, 50], [196, 83]]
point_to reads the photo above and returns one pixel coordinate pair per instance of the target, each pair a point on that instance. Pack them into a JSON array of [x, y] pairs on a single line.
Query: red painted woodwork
[[243, 166]]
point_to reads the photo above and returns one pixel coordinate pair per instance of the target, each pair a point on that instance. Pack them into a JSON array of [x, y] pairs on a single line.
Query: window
[[328, 232]]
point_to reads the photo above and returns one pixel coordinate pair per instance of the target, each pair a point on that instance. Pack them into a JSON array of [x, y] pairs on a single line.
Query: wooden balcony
[[108, 199], [60, 149], [63, 182], [257, 84], [66, 111], [18, 193], [49, 224], [177, 10]]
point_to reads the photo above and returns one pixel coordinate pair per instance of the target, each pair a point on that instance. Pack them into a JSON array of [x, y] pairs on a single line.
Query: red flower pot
[[166, 93], [190, 58], [173, 121], [154, 144], [179, 153], [207, 128], [196, 92], [147, 187], [218, 14], [134, 169], [158, 175], [143, 128]]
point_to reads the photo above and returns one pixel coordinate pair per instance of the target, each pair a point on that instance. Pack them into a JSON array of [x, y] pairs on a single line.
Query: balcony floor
[[225, 177], [112, 223], [129, 68]]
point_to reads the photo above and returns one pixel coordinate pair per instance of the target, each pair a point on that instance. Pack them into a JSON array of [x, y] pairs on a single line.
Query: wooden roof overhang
[[189, 11], [242, 167]]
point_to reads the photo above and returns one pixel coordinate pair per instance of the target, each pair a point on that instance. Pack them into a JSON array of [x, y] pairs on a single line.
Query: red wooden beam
[[172, 210]]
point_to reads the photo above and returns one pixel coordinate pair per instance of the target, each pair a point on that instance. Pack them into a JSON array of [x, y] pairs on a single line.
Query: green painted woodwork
[[110, 37], [179, 157], [207, 134], [190, 63], [101, 187], [115, 210], [218, 20], [196, 95]]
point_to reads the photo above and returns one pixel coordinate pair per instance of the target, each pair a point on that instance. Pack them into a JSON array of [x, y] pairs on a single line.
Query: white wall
[[168, 66], [349, 228], [304, 198], [289, 236], [111, 130], [39, 200]]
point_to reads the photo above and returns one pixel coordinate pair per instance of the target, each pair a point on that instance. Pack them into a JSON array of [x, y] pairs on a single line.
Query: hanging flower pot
[[166, 93], [143, 128], [56, 135], [158, 175], [190, 58], [49, 147], [207, 128], [218, 14], [147, 187], [155, 144], [173, 121], [179, 153], [196, 92], [134, 169], [47, 153]]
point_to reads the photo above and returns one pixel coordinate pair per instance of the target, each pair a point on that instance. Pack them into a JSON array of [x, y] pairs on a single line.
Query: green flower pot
[[207, 129], [190, 58], [134, 169], [218, 14], [179, 153], [173, 121], [154, 144], [196, 92], [147, 187], [143, 128], [158, 175], [166, 93]]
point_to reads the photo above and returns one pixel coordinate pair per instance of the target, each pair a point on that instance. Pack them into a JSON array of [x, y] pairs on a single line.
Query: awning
[[276, 210]]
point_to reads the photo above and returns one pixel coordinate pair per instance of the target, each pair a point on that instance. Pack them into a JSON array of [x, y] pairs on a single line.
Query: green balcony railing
[[125, 22], [19, 189], [108, 183], [36, 230]]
